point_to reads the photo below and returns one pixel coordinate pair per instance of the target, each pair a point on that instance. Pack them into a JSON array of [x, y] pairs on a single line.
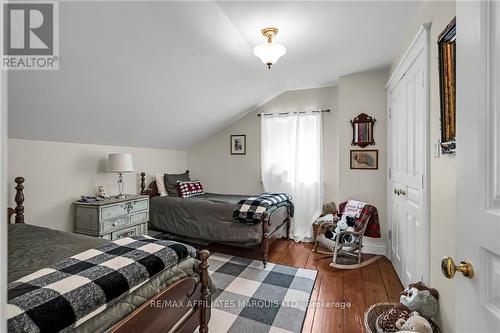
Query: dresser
[[113, 218]]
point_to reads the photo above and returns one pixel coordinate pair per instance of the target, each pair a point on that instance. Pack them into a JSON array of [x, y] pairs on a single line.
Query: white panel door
[[408, 145], [397, 125], [414, 206], [478, 166]]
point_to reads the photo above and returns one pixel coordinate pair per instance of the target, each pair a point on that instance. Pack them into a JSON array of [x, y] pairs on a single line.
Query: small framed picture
[[238, 144], [364, 159]]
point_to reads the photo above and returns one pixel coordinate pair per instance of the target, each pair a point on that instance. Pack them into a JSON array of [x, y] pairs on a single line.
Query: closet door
[[408, 138], [414, 170], [397, 216]]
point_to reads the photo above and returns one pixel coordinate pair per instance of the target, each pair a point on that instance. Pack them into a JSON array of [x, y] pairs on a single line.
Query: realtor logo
[[30, 36]]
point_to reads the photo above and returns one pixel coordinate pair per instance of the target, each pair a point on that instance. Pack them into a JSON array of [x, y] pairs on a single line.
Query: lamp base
[[120, 196]]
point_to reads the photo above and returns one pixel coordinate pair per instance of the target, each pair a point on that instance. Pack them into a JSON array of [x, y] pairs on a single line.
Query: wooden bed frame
[[155, 315], [268, 235]]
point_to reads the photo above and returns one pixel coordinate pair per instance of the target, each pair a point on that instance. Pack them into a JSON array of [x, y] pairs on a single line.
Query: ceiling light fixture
[[269, 53]]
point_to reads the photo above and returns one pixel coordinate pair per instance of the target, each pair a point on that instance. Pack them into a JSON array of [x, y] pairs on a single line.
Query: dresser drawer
[[112, 211], [139, 205], [112, 224], [123, 208], [128, 232], [140, 217]]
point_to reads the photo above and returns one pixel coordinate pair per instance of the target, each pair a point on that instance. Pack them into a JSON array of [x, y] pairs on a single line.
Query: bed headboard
[[152, 189], [19, 198]]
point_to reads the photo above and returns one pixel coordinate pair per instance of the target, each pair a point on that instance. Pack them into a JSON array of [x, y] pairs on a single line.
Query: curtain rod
[[299, 112]]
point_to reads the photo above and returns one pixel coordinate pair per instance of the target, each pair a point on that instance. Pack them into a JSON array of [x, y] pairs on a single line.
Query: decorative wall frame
[[238, 144], [447, 81], [364, 159], [362, 130]]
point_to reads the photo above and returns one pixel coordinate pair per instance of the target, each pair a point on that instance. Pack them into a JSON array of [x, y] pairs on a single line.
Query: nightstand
[[113, 218]]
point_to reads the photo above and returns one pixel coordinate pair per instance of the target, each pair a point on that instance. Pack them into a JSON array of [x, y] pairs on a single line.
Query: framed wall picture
[[447, 59], [364, 159], [238, 144]]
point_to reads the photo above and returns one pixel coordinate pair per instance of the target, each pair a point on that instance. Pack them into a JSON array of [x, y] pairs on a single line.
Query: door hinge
[[390, 174], [390, 112], [390, 234], [423, 182]]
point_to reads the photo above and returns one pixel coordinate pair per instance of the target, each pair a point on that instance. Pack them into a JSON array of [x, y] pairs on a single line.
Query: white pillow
[[160, 184]]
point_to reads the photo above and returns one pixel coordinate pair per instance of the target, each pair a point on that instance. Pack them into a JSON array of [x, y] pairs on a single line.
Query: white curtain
[[291, 151]]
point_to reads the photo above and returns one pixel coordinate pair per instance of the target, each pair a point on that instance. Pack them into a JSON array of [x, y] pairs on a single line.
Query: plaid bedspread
[[64, 296], [250, 210], [369, 215]]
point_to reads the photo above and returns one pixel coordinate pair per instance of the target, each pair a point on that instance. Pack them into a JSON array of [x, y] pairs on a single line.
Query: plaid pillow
[[189, 189]]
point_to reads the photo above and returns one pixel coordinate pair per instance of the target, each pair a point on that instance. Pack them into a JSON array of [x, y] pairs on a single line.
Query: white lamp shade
[[269, 53], [120, 162]]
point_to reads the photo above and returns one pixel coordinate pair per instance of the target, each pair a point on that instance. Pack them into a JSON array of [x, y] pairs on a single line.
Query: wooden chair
[[338, 247]]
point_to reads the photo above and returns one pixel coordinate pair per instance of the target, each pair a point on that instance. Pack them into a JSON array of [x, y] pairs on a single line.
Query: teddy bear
[[418, 297], [417, 323], [329, 208]]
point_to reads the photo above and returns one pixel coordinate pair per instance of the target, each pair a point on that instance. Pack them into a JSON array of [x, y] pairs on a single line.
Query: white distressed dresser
[[113, 218]]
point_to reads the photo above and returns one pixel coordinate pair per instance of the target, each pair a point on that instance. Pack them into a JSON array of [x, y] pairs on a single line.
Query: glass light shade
[[269, 53]]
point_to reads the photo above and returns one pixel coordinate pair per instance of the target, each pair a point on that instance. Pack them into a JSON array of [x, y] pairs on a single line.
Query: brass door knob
[[449, 268]]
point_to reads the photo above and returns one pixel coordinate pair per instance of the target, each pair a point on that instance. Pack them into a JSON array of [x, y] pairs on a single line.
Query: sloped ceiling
[[169, 74]]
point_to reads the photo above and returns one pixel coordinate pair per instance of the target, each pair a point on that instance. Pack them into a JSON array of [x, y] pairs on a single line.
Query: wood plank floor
[[335, 288]]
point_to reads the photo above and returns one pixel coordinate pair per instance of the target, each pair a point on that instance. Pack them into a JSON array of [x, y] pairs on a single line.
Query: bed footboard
[[182, 307], [272, 231]]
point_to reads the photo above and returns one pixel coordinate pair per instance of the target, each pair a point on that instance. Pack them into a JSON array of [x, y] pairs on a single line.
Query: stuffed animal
[[418, 304], [346, 223], [393, 319], [418, 324], [329, 208], [418, 297]]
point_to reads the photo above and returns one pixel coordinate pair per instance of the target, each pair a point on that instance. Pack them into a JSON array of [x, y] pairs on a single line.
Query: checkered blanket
[[71, 292], [251, 208]]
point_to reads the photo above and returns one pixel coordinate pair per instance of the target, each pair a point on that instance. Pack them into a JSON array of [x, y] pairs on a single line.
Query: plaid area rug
[[252, 299]]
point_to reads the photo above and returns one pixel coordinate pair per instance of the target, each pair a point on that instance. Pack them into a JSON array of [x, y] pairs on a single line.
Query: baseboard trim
[[375, 249]]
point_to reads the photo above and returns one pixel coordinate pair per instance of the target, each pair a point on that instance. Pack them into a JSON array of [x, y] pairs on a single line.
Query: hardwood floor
[[335, 288]]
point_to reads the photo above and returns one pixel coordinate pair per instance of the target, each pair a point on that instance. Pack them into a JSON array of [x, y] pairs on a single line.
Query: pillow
[[171, 182], [160, 184], [189, 189]]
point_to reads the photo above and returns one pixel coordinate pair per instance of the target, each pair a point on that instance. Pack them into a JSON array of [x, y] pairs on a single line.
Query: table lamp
[[120, 163]]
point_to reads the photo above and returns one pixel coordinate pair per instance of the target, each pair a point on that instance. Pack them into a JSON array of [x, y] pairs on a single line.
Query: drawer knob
[[114, 224]]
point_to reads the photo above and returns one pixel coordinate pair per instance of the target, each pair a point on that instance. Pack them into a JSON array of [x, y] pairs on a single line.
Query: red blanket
[[368, 215]]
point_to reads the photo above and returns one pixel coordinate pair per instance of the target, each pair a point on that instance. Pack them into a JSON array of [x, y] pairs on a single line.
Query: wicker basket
[[374, 311]]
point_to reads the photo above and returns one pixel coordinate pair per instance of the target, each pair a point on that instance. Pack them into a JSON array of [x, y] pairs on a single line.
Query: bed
[[209, 217], [32, 248]]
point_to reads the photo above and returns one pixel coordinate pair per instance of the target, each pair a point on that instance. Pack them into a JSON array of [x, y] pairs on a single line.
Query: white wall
[[364, 93], [443, 172], [58, 173], [221, 172]]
